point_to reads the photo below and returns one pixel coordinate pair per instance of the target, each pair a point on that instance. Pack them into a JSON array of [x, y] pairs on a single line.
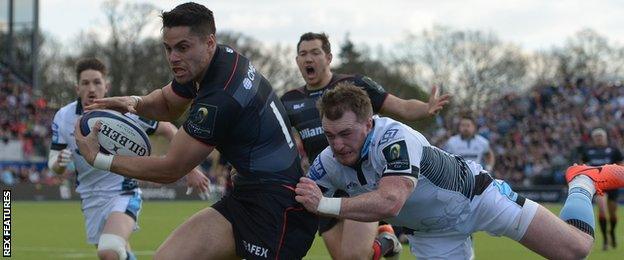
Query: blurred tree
[[276, 62], [57, 77], [476, 67], [588, 56]]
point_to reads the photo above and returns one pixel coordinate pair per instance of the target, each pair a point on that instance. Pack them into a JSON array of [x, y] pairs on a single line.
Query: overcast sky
[[532, 24]]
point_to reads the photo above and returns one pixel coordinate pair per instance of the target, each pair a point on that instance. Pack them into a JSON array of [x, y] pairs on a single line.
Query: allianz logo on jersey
[[311, 132], [251, 75]]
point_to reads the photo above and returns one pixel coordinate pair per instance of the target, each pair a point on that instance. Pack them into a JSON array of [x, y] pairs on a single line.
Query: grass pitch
[[55, 230]]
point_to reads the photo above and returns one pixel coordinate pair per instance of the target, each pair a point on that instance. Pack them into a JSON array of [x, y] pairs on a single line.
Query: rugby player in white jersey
[[110, 202], [471, 145], [392, 173]]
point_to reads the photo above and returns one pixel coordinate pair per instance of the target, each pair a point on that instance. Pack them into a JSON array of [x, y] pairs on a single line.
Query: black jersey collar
[[212, 68]]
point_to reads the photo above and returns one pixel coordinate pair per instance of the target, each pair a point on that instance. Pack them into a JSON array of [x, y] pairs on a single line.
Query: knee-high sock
[[613, 223], [578, 210], [602, 223]]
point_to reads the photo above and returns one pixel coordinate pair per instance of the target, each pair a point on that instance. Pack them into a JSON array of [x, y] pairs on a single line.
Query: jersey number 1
[[282, 124]]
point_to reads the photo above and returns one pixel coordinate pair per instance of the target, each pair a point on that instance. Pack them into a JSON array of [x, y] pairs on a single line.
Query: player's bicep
[[392, 105], [397, 187], [176, 103]]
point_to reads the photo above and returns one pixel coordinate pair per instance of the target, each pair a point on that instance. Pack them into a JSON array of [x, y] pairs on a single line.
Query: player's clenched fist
[[63, 158], [308, 194]]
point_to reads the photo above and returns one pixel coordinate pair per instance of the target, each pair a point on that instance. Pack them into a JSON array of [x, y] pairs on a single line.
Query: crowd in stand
[[24, 117], [533, 135]]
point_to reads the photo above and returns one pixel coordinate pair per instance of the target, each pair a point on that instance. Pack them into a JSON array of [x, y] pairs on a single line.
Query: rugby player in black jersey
[[345, 239], [599, 153], [233, 109]]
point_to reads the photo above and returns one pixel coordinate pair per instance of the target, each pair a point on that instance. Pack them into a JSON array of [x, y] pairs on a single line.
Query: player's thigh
[[206, 235], [612, 207], [358, 237], [553, 238], [333, 238], [601, 202], [119, 223], [349, 239]]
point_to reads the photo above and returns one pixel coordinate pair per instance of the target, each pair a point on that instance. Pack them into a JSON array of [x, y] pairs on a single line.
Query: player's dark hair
[[345, 97], [309, 36], [90, 64], [199, 18], [469, 117]]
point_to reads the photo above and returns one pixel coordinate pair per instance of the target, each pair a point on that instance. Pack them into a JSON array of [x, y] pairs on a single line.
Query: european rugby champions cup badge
[[397, 156], [202, 119]]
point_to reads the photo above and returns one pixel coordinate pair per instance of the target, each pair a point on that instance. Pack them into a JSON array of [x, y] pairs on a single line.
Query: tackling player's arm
[[185, 152], [384, 202]]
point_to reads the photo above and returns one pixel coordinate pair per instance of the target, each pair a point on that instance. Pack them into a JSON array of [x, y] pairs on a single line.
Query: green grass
[[55, 230]]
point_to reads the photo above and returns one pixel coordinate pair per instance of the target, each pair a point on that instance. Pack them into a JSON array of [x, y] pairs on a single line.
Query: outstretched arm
[[412, 109], [385, 202]]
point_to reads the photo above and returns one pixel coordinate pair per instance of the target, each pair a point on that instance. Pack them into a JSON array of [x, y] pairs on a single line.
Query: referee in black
[[601, 153]]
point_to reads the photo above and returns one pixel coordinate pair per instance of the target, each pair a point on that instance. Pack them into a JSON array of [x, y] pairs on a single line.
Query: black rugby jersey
[[300, 104], [596, 156], [236, 110]]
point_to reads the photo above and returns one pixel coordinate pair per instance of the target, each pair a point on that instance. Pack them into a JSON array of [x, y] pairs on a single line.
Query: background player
[[471, 145], [235, 110], [600, 153], [344, 239], [393, 173], [110, 202]]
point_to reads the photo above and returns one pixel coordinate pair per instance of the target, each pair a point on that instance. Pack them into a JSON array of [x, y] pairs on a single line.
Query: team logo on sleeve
[[202, 119], [388, 135], [396, 156]]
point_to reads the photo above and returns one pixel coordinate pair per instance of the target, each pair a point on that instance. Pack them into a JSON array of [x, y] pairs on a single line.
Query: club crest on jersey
[[396, 156], [202, 119]]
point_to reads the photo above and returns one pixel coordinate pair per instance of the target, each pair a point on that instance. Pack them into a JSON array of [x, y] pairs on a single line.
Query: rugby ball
[[119, 134]]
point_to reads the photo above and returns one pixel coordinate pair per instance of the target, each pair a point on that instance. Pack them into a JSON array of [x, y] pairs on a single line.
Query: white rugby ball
[[119, 134]]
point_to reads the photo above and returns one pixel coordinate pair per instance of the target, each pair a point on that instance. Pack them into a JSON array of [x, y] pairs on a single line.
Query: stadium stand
[[536, 135]]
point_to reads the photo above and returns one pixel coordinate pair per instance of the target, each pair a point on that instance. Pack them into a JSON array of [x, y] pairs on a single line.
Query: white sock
[[582, 182]]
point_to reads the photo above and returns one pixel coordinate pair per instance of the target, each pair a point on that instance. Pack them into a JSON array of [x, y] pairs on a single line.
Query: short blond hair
[[345, 97]]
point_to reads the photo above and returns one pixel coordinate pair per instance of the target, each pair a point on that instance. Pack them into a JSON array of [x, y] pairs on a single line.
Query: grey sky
[[533, 24]]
